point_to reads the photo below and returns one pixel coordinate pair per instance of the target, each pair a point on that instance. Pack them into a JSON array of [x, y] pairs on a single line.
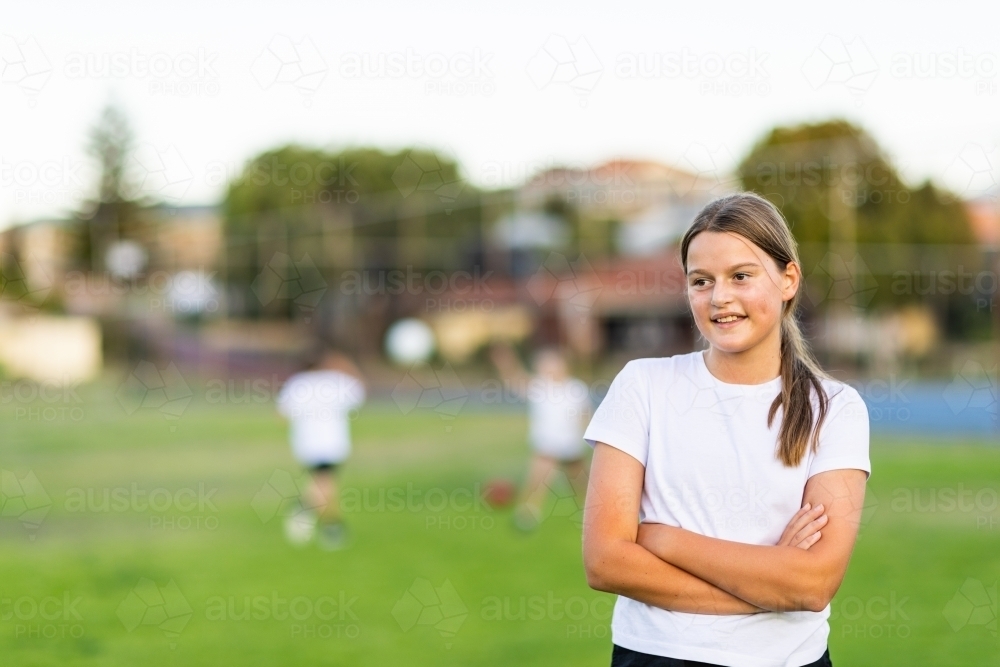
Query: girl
[[318, 403], [558, 408], [745, 464]]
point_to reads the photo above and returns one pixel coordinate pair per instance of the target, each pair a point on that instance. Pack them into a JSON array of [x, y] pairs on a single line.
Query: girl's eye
[[699, 282], [742, 276]]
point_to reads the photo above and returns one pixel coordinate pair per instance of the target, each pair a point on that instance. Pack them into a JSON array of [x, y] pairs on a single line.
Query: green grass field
[[434, 579]]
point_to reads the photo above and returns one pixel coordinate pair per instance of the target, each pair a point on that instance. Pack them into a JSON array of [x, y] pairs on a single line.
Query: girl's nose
[[721, 294]]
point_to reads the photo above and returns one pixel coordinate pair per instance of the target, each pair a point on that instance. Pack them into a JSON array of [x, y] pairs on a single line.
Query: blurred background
[[194, 197]]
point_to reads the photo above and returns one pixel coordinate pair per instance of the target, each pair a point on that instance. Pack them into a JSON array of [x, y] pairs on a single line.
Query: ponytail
[[800, 377]]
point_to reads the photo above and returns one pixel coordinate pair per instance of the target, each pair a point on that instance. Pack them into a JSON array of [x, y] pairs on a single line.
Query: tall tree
[[857, 221], [109, 214], [355, 208]]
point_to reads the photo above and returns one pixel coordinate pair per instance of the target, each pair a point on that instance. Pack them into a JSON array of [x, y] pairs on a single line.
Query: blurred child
[[558, 410], [317, 403]]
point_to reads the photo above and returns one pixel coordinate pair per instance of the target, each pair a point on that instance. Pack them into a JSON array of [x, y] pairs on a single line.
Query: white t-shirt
[[317, 404], [555, 416], [711, 468]]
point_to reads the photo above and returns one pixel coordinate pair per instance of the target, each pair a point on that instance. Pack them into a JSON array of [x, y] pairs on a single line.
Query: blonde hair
[[758, 221]]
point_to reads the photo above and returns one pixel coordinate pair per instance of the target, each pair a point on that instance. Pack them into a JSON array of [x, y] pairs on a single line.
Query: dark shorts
[[623, 657]]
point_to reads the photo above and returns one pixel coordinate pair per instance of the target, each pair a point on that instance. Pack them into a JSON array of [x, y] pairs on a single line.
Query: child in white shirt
[[558, 409], [318, 404]]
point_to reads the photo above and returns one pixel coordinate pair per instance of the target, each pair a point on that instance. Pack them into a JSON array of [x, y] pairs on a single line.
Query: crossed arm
[[679, 570]]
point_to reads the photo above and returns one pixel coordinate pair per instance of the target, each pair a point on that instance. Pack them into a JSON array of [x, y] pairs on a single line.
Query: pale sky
[[511, 87]]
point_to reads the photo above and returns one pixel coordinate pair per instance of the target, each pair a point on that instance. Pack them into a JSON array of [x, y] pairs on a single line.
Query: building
[[594, 253]]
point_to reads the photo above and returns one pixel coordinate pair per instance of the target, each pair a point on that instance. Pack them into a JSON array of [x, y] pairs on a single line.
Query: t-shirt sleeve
[[354, 392], [843, 441], [284, 400], [622, 418]]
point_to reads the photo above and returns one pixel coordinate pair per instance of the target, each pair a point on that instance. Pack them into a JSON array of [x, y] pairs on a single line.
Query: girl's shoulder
[[645, 376], [843, 397]]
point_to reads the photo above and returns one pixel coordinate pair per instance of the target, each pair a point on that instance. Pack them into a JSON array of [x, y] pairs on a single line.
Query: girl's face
[[737, 292]]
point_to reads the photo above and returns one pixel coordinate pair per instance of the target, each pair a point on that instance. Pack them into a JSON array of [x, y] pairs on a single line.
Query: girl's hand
[[803, 530]]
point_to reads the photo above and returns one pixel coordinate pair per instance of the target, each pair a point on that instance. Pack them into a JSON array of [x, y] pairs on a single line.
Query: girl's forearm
[[627, 569], [776, 578]]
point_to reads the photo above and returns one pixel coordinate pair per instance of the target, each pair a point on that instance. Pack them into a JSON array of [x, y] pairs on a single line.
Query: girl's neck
[[759, 364]]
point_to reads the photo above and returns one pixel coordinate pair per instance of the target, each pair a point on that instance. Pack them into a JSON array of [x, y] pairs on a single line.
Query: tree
[[110, 214], [359, 207], [849, 209]]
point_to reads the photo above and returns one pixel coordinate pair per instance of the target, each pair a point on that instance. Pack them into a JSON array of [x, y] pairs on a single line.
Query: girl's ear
[[791, 282]]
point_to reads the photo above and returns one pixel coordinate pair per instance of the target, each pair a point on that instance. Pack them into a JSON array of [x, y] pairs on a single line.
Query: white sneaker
[[300, 526]]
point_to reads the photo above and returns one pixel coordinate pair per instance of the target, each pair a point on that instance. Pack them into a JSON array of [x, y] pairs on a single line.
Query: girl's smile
[[728, 320]]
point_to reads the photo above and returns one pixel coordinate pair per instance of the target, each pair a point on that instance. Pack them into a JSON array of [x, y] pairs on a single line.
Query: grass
[[501, 598]]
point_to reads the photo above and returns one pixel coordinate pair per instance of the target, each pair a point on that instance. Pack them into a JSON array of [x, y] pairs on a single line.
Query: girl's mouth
[[728, 321]]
